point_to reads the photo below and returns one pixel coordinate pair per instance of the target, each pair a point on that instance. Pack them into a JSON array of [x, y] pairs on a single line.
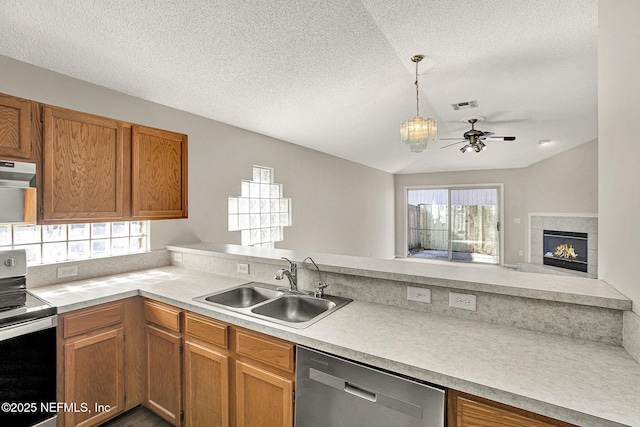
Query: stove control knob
[[10, 262]]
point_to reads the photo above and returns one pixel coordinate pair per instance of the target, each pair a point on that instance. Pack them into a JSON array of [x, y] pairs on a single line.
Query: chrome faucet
[[292, 274]]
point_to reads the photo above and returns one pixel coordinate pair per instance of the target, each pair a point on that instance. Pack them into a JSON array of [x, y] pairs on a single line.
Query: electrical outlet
[[242, 268], [516, 220], [520, 252], [419, 294], [176, 256], [463, 301], [67, 271]]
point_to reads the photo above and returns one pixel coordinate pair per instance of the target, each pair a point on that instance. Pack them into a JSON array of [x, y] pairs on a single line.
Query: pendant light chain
[[417, 99]]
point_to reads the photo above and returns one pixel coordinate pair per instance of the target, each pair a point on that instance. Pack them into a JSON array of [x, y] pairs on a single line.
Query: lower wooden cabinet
[[163, 379], [230, 376], [198, 372], [465, 410], [95, 377], [236, 377], [99, 362], [264, 380], [189, 369], [263, 399], [206, 386]]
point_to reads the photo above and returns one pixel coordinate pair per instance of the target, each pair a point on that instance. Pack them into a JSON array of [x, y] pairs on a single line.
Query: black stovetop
[[32, 308]]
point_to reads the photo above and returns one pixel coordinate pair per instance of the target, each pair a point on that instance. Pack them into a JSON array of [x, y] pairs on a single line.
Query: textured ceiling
[[336, 75]]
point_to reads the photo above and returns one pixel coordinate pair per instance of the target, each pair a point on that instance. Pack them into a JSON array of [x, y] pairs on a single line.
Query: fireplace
[[565, 249]]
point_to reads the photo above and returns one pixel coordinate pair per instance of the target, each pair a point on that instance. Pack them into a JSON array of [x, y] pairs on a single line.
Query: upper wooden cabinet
[[15, 128], [159, 174], [98, 169], [83, 167], [95, 169]]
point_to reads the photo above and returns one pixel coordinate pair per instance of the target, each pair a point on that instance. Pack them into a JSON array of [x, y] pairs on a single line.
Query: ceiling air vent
[[465, 105]]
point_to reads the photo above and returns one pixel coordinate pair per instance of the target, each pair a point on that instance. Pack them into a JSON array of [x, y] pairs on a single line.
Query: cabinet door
[[83, 167], [163, 385], [470, 411], [15, 127], [159, 174], [263, 399], [94, 378], [206, 387]]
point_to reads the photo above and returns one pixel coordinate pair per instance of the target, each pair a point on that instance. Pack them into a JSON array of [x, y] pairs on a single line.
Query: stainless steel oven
[[27, 349]]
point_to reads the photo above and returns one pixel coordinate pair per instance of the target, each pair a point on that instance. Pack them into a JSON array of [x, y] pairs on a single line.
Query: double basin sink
[[267, 302]]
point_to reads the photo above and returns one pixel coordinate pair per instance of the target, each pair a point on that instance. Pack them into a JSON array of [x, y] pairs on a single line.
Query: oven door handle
[[28, 327]]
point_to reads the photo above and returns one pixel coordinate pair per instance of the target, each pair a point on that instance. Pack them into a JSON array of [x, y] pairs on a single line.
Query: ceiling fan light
[[481, 146], [466, 148]]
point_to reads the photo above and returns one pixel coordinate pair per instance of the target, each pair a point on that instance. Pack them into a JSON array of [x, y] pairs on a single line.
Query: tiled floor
[[137, 417]]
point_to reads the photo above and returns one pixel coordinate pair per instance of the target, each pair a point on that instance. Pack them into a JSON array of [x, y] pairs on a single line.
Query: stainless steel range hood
[[17, 192]]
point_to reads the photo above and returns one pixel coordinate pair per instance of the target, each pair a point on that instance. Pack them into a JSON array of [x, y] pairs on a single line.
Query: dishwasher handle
[[360, 392], [381, 399]]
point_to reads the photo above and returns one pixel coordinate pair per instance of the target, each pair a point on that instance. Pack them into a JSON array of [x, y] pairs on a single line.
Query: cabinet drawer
[[162, 315], [92, 319], [271, 351], [205, 329]]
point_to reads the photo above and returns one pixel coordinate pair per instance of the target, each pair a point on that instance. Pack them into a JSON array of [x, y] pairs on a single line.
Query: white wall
[[534, 189], [338, 206], [564, 183], [619, 157]]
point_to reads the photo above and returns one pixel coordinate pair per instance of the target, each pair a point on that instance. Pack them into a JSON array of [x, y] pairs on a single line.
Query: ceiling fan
[[475, 138]]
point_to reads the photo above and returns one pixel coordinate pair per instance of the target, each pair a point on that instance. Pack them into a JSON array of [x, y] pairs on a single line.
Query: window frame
[[450, 187], [70, 240]]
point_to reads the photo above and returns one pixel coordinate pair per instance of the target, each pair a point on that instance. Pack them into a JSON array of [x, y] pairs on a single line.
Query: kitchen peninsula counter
[[574, 380], [465, 276]]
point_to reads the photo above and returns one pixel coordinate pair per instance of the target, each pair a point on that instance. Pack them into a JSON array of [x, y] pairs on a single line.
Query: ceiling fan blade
[[455, 143], [487, 134], [502, 138]]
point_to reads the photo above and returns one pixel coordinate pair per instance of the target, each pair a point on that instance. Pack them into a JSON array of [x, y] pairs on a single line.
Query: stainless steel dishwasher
[[332, 391]]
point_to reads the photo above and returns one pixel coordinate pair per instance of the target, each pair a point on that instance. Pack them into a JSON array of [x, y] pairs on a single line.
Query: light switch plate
[[419, 294], [176, 256]]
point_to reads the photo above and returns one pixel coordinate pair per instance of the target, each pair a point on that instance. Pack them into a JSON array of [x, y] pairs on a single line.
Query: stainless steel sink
[[245, 296], [294, 308], [266, 302]]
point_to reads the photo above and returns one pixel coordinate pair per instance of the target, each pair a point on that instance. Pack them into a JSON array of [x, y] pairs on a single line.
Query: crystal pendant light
[[417, 132]]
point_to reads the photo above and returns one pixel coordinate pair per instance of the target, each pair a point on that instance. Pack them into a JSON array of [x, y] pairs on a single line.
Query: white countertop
[[467, 276], [578, 381]]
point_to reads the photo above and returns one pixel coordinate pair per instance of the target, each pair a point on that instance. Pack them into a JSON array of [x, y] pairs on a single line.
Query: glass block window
[[260, 212], [46, 244]]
